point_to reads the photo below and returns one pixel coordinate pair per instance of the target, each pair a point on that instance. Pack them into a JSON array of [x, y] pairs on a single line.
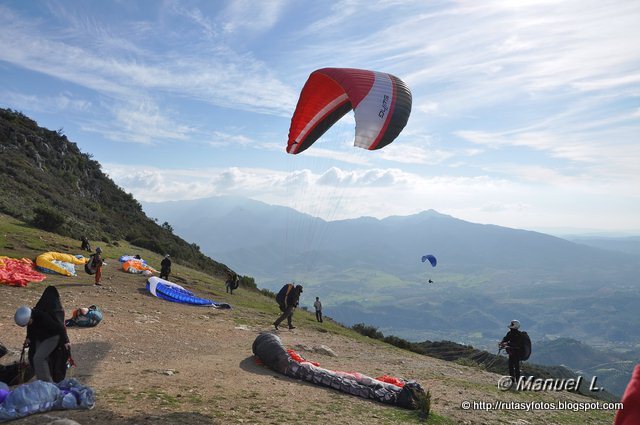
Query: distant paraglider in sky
[[432, 260]]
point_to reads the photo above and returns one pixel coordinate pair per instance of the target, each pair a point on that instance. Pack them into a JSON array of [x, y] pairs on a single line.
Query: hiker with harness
[[287, 299], [94, 266], [518, 347], [232, 283]]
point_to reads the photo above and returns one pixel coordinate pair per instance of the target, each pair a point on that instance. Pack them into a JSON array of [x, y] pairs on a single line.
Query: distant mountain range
[[610, 366], [369, 270]]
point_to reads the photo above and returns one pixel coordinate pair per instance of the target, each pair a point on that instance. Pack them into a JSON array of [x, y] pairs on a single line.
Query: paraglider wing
[[381, 102], [173, 292], [431, 259]]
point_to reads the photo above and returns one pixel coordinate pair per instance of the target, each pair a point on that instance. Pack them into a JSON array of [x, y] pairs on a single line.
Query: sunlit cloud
[[60, 102], [140, 122], [252, 17]]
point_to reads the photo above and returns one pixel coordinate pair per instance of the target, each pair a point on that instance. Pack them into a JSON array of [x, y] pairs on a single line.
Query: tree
[[48, 219]]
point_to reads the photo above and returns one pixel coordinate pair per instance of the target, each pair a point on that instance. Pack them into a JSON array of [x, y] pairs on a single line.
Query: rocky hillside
[[46, 179], [156, 362]]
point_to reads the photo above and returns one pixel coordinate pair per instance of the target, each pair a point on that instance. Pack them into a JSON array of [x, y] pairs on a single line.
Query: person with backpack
[[515, 344], [96, 264], [288, 299], [47, 338], [165, 268], [232, 283]]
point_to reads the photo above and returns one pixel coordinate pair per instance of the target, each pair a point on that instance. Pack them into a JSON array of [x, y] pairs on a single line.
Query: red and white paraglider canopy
[[381, 103]]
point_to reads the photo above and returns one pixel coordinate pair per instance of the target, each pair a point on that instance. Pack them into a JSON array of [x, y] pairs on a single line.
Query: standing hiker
[[96, 264], [165, 267], [318, 307], [513, 342], [287, 299], [232, 283]]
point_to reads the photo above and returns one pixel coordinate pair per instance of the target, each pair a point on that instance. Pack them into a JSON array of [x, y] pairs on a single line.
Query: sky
[[525, 113]]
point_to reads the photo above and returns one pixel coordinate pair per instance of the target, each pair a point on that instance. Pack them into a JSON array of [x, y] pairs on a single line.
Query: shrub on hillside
[[366, 330], [248, 282], [47, 219]]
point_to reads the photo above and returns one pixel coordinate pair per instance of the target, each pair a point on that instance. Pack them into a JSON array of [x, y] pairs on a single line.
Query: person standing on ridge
[[232, 283], [165, 268], [513, 343], [287, 299], [96, 264], [318, 306]]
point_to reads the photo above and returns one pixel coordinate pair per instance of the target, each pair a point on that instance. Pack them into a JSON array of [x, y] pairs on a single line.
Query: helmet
[[514, 324], [99, 250], [22, 316], [167, 256]]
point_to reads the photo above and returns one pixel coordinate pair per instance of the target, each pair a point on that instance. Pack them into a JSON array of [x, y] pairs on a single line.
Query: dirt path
[[154, 362]]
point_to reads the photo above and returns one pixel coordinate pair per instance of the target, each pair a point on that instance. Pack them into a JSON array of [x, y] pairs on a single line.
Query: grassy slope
[[129, 393]]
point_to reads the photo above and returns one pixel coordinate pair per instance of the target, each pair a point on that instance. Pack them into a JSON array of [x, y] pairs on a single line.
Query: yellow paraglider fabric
[[46, 261]]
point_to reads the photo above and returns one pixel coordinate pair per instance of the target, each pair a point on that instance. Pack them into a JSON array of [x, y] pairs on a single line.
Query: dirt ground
[[156, 362]]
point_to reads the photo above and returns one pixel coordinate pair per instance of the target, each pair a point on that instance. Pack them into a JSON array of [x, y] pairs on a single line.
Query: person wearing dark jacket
[[86, 246], [513, 342], [290, 296], [232, 283], [165, 267], [46, 332]]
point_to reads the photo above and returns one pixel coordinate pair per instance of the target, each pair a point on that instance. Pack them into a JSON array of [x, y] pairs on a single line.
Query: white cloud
[[338, 193], [248, 16], [218, 76], [140, 122], [60, 102], [220, 138]]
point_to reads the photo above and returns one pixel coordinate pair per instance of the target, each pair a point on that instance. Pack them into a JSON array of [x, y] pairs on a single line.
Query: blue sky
[[525, 113]]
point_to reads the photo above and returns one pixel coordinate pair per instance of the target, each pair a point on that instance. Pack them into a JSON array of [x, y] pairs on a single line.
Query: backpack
[[526, 346], [90, 267], [91, 319], [281, 298]]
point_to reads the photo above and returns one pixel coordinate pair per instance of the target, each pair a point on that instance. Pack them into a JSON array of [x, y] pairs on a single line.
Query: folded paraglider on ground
[[386, 389]]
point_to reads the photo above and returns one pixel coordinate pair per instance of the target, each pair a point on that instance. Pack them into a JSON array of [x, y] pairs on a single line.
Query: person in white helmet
[[513, 342]]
